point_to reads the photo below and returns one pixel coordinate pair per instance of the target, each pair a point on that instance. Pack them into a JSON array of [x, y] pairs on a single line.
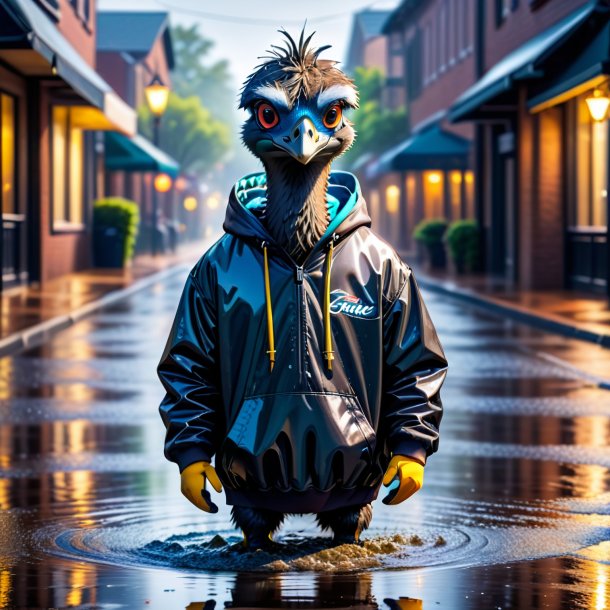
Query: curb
[[40, 333], [521, 314], [525, 316]]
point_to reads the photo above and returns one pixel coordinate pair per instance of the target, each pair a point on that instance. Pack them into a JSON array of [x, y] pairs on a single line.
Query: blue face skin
[[301, 132]]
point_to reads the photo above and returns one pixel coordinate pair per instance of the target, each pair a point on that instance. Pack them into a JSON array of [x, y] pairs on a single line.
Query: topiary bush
[[462, 239], [115, 228], [430, 233]]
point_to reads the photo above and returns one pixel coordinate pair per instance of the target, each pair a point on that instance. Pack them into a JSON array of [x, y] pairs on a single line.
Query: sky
[[244, 29]]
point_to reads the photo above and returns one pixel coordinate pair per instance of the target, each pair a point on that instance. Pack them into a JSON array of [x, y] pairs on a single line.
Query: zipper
[[298, 278]]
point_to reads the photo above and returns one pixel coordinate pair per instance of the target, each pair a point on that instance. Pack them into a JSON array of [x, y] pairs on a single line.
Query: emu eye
[[266, 115], [333, 116]]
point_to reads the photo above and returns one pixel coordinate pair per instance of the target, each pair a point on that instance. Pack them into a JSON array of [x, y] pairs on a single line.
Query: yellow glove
[[409, 474], [192, 485]]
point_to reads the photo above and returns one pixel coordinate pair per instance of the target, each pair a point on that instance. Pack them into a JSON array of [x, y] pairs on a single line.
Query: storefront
[[542, 156], [426, 176], [51, 103]]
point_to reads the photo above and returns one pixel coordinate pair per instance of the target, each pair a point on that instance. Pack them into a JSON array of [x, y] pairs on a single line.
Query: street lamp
[[598, 105], [157, 96]]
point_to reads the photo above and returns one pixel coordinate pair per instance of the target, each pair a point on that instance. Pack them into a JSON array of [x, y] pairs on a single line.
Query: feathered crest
[[295, 67]]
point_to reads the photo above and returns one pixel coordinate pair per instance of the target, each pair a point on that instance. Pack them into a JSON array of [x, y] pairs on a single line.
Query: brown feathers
[[296, 68]]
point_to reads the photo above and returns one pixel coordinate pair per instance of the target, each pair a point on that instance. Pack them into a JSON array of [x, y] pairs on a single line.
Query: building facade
[[51, 102], [429, 62], [133, 48], [542, 158]]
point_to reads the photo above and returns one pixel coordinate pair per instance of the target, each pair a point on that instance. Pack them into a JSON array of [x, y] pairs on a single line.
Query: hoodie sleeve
[[187, 371], [415, 368]]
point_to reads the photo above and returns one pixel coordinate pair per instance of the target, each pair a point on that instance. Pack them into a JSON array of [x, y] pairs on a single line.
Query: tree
[[189, 133], [377, 128], [193, 76]]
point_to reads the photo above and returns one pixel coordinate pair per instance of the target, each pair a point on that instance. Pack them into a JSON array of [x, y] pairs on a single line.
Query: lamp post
[[157, 96]]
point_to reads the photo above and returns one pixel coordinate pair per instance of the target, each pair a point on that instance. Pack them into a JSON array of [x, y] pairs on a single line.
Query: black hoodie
[[301, 380]]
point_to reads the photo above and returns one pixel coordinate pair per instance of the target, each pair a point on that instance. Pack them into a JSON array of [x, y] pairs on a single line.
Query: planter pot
[[108, 248], [437, 256]]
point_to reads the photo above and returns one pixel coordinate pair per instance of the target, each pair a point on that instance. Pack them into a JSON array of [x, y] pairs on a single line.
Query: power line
[[253, 21]]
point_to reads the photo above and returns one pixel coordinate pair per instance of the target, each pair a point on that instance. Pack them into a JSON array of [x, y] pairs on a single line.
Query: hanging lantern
[[598, 104]]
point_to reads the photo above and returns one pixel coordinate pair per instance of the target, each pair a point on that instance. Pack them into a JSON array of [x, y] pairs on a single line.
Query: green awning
[[522, 63], [137, 154], [428, 149], [587, 65], [26, 29]]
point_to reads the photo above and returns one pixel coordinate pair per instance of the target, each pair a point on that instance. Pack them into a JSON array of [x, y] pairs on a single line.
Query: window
[[82, 8], [68, 164], [52, 7], [433, 182], [8, 142], [504, 8], [442, 38], [589, 192]]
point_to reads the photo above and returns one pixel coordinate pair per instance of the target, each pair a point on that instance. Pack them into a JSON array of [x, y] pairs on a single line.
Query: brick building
[[132, 49], [52, 101], [430, 60], [367, 45], [542, 160]]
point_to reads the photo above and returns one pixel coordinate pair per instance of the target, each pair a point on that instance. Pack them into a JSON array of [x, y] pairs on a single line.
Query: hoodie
[[301, 380]]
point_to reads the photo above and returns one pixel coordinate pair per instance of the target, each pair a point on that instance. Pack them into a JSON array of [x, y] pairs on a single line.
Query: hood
[[248, 198]]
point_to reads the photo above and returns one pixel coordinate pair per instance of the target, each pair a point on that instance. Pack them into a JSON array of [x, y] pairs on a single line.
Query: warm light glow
[[213, 201], [180, 183], [392, 198], [469, 177], [598, 105], [163, 183], [157, 96], [434, 177], [7, 153], [456, 177], [190, 203]]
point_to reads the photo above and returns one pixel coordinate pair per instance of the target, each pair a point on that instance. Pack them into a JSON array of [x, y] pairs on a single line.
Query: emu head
[[296, 103]]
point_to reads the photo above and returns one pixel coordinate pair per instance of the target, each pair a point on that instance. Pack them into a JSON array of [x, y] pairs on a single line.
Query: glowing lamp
[[434, 178], [190, 203], [598, 105], [157, 96], [213, 202], [181, 183], [162, 183]]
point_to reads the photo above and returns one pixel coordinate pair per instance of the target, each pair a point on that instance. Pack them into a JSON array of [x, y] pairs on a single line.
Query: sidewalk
[[576, 315], [29, 315]]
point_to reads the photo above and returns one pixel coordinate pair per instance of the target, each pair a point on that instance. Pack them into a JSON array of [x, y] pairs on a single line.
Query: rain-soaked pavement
[[515, 510]]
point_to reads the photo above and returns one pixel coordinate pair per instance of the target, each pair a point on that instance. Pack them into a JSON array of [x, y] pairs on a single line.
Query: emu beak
[[302, 141]]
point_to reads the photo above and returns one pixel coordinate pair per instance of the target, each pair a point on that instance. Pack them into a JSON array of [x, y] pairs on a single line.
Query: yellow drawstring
[[271, 350], [328, 339]]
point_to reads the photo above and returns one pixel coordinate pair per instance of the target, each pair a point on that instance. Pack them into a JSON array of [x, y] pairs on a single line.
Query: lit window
[[68, 163], [392, 198], [455, 193], [589, 207], [7, 153], [433, 194]]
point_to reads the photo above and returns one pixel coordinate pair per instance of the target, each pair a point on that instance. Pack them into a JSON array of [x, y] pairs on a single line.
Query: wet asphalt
[[514, 513]]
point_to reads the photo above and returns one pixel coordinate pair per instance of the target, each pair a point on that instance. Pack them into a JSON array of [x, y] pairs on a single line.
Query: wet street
[[514, 513]]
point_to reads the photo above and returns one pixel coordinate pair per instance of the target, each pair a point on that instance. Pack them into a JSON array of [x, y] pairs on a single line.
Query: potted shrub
[[115, 228], [430, 234], [462, 239]]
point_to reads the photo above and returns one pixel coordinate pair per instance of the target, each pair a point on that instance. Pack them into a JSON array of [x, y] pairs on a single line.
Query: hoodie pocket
[[298, 441]]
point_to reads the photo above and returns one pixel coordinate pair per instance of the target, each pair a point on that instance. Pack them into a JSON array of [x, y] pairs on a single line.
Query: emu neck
[[296, 212]]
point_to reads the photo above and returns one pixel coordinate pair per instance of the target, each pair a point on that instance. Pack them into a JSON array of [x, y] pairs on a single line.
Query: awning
[[137, 154], [523, 63], [25, 28], [587, 65], [430, 148]]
